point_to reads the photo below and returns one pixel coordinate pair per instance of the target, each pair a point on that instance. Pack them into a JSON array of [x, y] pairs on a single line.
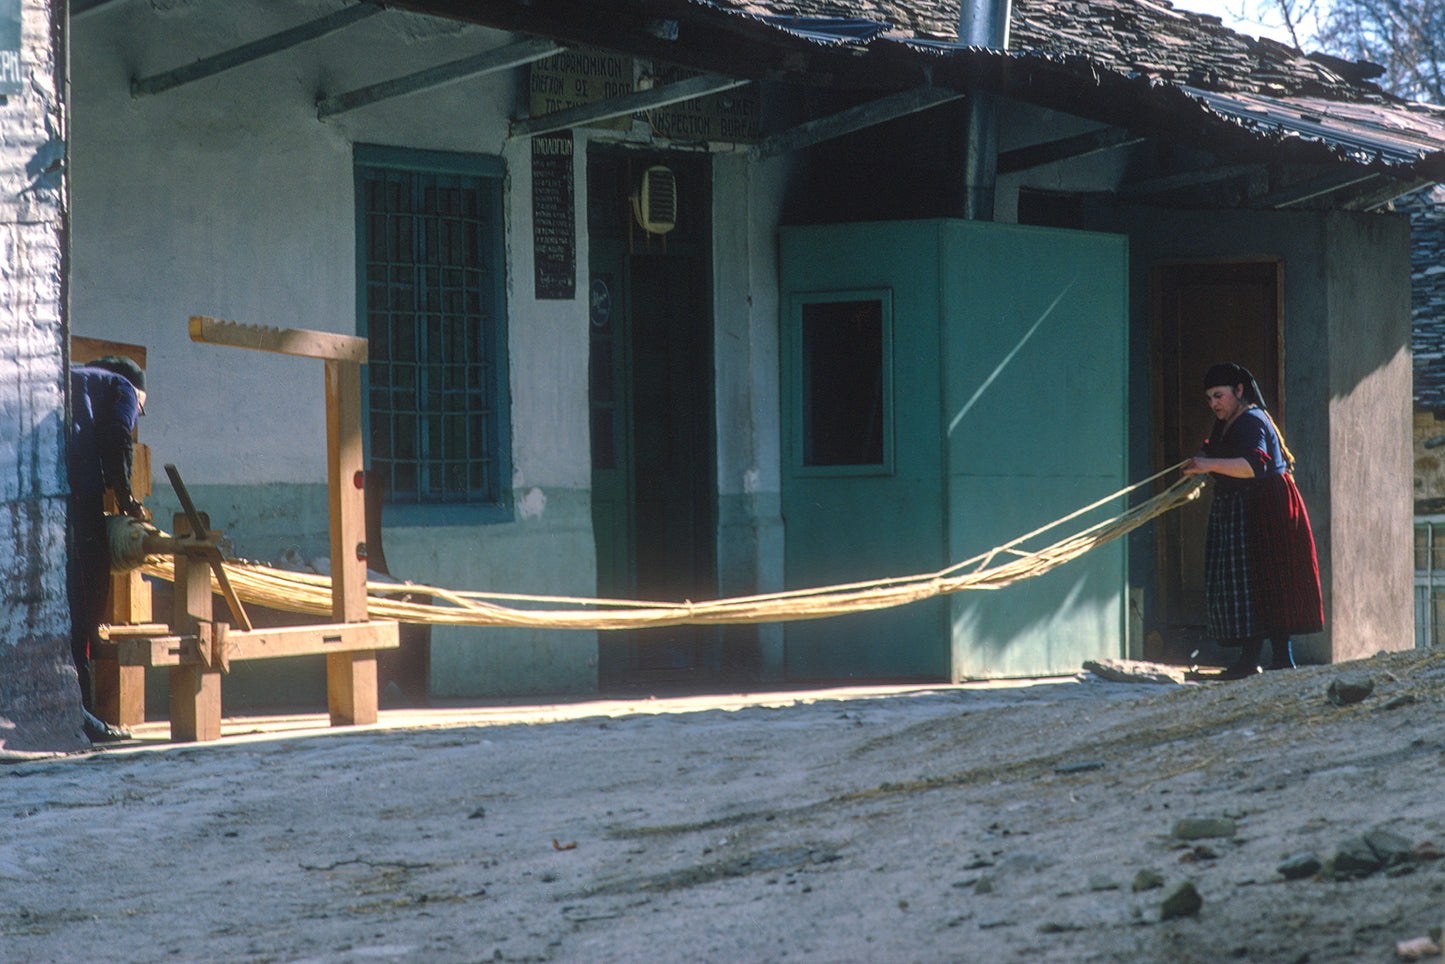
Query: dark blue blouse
[[1252, 437], [103, 413]]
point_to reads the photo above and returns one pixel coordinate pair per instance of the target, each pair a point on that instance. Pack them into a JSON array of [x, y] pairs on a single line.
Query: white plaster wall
[[746, 326], [227, 197]]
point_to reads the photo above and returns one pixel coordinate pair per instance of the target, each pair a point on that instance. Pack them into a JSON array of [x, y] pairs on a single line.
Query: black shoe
[[99, 731]]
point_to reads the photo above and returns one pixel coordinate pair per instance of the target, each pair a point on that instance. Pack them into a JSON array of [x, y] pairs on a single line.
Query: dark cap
[[124, 367]]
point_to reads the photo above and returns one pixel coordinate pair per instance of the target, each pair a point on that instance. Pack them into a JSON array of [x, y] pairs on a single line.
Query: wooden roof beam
[[689, 89], [1066, 149], [255, 50], [1190, 179], [853, 119], [1356, 190], [487, 62]]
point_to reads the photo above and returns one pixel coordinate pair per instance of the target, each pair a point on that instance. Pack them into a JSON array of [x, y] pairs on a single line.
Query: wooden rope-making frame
[[305, 593]]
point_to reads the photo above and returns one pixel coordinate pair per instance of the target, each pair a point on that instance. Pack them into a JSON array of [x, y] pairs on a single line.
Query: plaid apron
[[1233, 610], [1261, 574]]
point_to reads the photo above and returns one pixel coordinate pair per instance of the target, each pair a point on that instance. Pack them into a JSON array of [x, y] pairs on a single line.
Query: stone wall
[[39, 699]]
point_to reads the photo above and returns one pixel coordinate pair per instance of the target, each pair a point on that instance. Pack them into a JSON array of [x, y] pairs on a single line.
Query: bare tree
[[1405, 37], [1300, 18]]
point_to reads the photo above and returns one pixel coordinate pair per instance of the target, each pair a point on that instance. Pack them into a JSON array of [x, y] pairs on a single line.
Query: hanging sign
[[12, 78], [554, 217], [587, 76], [731, 116], [576, 77]]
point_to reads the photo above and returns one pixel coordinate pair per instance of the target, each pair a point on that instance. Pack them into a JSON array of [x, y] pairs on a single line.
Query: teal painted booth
[[948, 386]]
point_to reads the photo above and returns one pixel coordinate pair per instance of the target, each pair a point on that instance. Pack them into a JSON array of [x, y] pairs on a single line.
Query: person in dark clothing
[[106, 397], [1261, 572]]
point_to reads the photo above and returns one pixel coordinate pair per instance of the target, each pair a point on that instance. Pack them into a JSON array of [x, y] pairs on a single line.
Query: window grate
[[431, 291]]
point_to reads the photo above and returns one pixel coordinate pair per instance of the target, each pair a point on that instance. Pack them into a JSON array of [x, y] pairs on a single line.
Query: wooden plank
[[301, 342], [308, 640], [156, 651], [84, 350], [346, 494], [120, 630], [167, 649]]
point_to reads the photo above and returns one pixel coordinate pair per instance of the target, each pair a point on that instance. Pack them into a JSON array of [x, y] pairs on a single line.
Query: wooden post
[[351, 687], [120, 691], [195, 688]]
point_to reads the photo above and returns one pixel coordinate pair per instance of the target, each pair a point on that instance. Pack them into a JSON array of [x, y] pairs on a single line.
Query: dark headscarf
[[1228, 373]]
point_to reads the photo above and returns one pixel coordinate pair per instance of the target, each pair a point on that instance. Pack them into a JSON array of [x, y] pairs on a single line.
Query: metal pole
[[981, 23]]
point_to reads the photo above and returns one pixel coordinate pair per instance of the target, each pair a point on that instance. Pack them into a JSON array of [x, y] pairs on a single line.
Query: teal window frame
[[799, 394], [488, 379]]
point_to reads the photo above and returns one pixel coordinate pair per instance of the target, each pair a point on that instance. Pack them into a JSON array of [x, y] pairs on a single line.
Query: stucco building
[[607, 254]]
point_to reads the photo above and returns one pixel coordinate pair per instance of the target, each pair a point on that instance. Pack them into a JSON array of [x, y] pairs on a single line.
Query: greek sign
[[12, 77], [554, 218], [585, 76], [577, 77]]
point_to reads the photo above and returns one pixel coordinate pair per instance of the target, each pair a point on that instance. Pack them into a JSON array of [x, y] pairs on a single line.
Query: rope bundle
[[311, 594]]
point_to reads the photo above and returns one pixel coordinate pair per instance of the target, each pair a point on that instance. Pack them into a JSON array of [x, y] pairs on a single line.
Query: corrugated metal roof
[[1393, 135]]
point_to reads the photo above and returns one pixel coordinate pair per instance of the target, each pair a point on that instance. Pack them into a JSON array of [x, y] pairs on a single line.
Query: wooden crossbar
[[162, 648]]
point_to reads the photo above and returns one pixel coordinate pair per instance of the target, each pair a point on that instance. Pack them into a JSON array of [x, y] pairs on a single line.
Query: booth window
[[844, 381], [432, 301]]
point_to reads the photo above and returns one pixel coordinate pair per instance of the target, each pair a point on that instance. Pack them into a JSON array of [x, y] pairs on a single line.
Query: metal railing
[[1429, 580]]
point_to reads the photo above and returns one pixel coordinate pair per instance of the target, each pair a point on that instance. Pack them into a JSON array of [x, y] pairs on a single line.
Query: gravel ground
[[974, 823]]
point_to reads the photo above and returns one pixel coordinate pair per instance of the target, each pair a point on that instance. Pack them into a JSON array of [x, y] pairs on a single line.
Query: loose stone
[[1182, 900], [1354, 858], [1147, 879], [1196, 828], [1299, 866], [1349, 688], [1390, 847]]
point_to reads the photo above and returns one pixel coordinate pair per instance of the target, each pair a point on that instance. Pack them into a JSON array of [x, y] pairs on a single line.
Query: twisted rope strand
[[311, 594]]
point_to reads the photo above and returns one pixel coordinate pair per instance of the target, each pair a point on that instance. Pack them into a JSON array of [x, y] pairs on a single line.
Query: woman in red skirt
[[1260, 572]]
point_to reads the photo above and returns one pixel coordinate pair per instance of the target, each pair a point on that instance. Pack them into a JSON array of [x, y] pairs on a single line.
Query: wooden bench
[[198, 660]]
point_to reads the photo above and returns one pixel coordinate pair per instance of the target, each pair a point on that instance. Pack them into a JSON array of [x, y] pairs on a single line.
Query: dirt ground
[[987, 823]]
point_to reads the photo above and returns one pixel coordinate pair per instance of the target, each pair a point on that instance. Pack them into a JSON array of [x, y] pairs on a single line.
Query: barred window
[[430, 238]]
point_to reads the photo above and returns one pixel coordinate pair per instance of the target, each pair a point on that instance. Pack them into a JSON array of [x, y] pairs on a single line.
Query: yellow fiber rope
[[306, 593]]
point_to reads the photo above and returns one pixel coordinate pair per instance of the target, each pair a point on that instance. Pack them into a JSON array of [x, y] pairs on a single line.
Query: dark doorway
[[1203, 313], [653, 482]]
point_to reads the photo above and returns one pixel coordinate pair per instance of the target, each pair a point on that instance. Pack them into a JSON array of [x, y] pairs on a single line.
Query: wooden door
[[654, 489], [1203, 313]]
